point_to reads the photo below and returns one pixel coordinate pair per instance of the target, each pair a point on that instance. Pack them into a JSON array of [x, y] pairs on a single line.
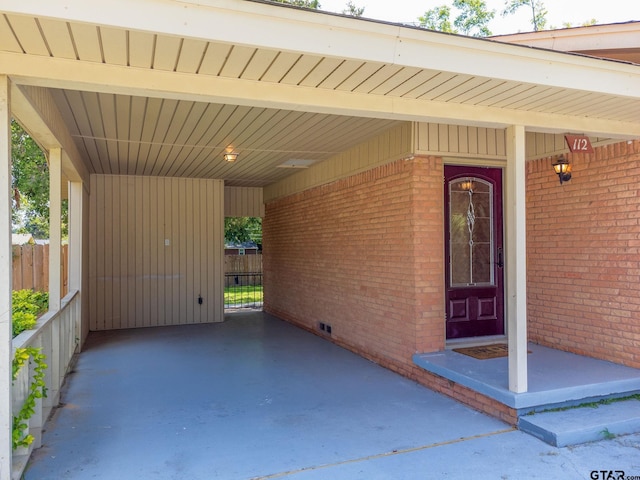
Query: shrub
[[27, 306]]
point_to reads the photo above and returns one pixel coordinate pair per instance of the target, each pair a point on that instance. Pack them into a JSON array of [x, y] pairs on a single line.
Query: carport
[[136, 102]]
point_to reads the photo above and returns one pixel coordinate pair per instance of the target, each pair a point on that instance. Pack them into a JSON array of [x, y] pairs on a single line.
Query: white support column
[[516, 258], [75, 247], [55, 213], [6, 351], [55, 256], [75, 235]]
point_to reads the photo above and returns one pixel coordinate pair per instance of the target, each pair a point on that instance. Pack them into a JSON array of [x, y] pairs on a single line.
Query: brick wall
[[364, 255], [583, 254]]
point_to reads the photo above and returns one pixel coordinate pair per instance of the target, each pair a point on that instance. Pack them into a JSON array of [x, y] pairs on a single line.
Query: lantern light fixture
[[562, 169], [230, 156]]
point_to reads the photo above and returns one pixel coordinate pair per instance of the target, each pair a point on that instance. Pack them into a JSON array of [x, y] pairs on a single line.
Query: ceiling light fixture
[[230, 156]]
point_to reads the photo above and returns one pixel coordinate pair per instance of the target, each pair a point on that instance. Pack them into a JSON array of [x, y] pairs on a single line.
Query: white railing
[[57, 335]]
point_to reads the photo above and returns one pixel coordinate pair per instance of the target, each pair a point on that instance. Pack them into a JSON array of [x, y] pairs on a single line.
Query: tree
[[437, 18], [315, 4], [473, 18], [30, 186], [352, 10], [243, 229], [538, 11]]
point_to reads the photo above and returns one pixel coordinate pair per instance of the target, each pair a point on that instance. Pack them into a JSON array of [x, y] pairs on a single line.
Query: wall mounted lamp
[[467, 185], [563, 169], [230, 156]]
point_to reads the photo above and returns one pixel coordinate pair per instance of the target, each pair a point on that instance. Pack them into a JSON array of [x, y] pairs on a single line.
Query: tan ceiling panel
[[58, 38], [470, 85], [123, 125], [259, 64], [167, 52], [444, 88], [114, 45], [138, 106], [8, 40], [376, 79], [320, 72], [280, 66], [237, 61], [214, 59], [108, 111], [413, 83], [530, 95], [479, 91], [510, 91], [191, 55], [297, 71], [141, 49], [395, 81], [426, 88], [340, 74], [28, 33], [92, 104], [87, 42]]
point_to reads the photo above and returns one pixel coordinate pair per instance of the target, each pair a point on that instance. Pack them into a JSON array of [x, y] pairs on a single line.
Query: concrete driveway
[[255, 397]]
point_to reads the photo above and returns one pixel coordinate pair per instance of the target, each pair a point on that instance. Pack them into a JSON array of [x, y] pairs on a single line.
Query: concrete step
[[573, 426]]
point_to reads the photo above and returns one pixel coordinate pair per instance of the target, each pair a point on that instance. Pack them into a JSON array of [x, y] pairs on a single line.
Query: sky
[[559, 12]]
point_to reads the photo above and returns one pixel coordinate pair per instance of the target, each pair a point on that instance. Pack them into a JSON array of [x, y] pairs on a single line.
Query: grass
[[243, 294], [596, 404]]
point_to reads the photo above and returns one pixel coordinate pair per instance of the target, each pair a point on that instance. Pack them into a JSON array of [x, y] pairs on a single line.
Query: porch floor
[[255, 397], [555, 377]]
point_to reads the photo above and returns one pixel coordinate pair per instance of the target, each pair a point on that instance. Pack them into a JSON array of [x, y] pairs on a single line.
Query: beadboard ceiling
[[143, 127]]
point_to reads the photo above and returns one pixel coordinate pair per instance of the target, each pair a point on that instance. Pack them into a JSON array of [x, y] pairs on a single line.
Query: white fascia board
[[89, 76], [290, 29]]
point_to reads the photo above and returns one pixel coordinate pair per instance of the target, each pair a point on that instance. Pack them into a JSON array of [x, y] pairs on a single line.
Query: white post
[[55, 233], [75, 250], [6, 351], [516, 258], [55, 289]]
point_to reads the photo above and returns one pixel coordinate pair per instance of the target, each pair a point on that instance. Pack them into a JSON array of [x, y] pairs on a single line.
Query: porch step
[[573, 426]]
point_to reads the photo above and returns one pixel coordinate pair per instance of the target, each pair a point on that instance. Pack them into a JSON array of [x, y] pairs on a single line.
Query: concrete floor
[[255, 397]]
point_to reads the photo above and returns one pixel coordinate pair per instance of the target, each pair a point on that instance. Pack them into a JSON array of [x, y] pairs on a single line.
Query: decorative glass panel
[[471, 232]]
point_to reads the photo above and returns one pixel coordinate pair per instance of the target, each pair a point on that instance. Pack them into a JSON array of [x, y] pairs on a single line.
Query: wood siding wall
[[243, 202], [156, 244], [475, 143], [394, 144]]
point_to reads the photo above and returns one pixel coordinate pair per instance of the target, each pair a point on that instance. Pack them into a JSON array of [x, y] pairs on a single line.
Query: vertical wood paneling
[[243, 202], [156, 245]]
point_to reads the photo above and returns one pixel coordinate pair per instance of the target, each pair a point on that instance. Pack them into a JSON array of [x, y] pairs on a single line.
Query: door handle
[[500, 258]]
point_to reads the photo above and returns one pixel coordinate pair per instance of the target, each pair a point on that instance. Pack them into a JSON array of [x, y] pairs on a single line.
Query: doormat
[[486, 352]]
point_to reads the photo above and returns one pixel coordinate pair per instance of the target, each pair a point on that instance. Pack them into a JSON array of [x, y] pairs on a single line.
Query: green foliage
[[30, 186], [243, 229], [472, 18], [27, 305], [538, 11], [437, 18], [315, 4], [353, 10], [37, 389]]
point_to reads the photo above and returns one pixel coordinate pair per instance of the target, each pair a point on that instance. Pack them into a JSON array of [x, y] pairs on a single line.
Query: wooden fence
[[243, 264], [242, 270], [31, 268]]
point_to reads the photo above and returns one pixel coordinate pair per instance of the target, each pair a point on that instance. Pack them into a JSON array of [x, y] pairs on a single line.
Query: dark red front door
[[473, 248]]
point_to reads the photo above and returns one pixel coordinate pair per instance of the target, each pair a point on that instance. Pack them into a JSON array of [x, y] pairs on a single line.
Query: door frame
[[485, 339]]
